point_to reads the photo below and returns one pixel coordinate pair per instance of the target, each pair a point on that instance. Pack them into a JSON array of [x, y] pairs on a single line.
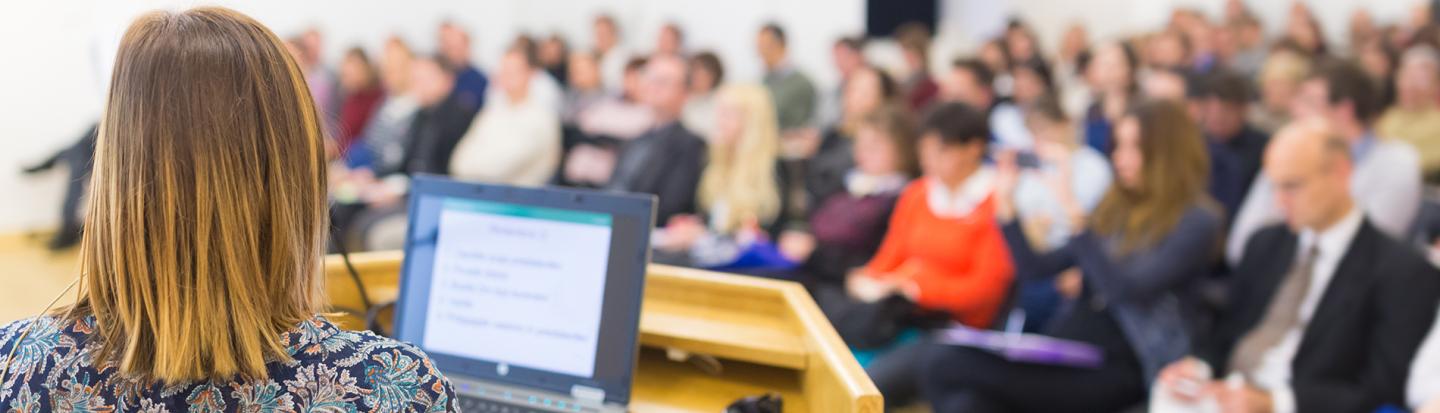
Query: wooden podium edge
[[833, 380]]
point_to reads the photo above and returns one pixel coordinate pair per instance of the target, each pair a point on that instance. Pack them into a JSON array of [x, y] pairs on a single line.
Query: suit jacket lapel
[[1268, 282], [1347, 287]]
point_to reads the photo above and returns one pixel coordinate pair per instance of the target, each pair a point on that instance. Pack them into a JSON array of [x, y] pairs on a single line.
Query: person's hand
[[682, 232], [796, 245], [1069, 283], [864, 287], [1241, 398], [1187, 380], [750, 231], [910, 289], [800, 143], [1007, 177], [1060, 159]]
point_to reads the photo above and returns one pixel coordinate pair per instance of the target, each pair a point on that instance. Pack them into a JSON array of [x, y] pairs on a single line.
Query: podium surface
[[744, 336]]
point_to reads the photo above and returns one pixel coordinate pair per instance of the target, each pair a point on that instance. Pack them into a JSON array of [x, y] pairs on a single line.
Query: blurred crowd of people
[[1235, 222]]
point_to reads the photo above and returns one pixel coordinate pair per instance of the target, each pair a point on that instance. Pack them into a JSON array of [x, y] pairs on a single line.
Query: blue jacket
[[1150, 292]]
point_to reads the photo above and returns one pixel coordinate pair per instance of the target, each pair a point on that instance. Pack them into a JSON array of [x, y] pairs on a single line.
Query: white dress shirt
[[1386, 184], [1273, 374], [959, 202], [1424, 383]]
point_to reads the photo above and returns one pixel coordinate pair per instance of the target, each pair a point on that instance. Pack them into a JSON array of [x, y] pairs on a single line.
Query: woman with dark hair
[[846, 228], [703, 80], [919, 86], [360, 84], [1112, 73], [995, 54], [554, 55], [814, 164], [1303, 32], [1380, 62], [1153, 234], [1032, 81]]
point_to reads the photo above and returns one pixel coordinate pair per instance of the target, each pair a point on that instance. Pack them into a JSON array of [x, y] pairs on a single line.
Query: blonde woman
[[203, 248], [739, 192]]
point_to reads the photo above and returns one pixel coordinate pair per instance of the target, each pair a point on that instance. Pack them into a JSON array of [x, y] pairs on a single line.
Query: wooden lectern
[[767, 335]]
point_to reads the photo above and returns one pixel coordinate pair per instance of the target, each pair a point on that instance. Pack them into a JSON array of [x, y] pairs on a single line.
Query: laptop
[[528, 300]]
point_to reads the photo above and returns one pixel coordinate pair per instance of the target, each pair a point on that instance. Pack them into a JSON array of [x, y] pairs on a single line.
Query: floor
[[35, 275]]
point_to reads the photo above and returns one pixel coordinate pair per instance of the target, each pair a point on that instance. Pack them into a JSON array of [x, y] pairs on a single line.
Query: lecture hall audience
[[1386, 173], [705, 76], [943, 252], [1120, 192], [1152, 235]]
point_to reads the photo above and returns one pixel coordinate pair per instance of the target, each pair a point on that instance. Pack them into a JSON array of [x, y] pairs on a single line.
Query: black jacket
[[665, 161], [1355, 354], [433, 136]]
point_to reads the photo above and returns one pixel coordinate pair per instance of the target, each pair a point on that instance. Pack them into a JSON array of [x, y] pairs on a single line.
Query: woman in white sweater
[[515, 140]]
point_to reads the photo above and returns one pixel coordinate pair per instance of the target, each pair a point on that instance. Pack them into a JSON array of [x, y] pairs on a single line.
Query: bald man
[[666, 160], [1326, 312]]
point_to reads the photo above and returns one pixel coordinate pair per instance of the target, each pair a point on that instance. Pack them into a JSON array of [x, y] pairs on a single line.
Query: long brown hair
[[1174, 175], [205, 233]]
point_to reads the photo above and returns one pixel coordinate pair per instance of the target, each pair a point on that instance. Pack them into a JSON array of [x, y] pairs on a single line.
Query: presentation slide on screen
[[519, 285]]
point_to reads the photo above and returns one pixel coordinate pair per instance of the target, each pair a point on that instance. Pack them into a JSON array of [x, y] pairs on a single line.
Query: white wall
[[49, 84]]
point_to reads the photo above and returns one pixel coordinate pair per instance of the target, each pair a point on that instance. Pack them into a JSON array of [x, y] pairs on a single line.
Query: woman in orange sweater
[[944, 251]]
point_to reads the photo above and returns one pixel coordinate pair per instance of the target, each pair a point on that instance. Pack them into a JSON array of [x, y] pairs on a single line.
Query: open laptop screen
[[530, 287]]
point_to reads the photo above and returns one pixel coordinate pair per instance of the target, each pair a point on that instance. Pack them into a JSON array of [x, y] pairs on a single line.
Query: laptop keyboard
[[479, 405], [470, 404]]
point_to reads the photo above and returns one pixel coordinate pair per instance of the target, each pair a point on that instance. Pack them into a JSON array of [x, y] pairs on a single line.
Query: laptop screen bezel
[[617, 343]]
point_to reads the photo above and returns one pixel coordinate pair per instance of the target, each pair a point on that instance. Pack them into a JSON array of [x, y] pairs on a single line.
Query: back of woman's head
[[1173, 176], [205, 231]]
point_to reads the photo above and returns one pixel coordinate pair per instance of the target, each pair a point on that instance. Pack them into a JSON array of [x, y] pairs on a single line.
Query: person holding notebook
[[1154, 232]]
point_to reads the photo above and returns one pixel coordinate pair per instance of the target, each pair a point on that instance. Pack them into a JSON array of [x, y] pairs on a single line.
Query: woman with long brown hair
[[1153, 234], [201, 260]]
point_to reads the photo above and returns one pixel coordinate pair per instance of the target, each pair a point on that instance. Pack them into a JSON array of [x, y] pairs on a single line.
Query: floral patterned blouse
[[332, 371]]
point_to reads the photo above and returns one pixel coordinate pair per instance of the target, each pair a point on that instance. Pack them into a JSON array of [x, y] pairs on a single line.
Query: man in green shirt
[[792, 91]]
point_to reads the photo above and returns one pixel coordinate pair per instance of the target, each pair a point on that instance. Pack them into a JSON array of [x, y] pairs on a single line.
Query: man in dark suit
[[441, 122], [1326, 312], [667, 159]]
